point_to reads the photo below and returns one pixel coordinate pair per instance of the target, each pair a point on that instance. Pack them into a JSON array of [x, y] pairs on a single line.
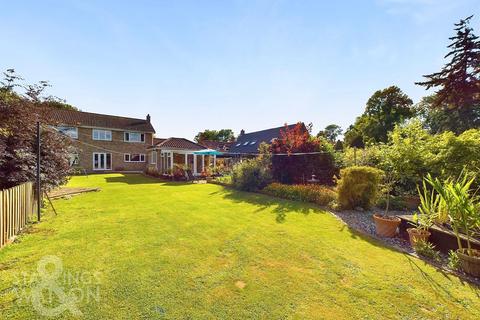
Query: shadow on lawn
[[131, 179], [279, 206], [435, 286], [141, 179]]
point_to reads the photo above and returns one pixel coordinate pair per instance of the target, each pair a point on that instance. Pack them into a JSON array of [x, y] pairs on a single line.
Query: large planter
[[386, 226], [415, 235], [470, 264]]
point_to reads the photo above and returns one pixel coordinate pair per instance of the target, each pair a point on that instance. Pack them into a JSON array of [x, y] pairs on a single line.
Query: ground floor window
[[166, 162], [134, 157], [153, 157], [102, 161]]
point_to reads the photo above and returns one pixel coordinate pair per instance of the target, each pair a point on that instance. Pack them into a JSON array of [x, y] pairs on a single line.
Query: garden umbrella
[[208, 152]]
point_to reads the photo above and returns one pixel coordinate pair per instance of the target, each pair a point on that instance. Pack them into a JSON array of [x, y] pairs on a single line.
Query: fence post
[[16, 207], [39, 189]]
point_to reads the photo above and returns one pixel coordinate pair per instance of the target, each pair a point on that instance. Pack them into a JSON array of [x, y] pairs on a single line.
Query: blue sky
[[228, 64]]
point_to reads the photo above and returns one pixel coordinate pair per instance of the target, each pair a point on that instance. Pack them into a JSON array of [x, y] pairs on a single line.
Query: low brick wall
[[443, 239]]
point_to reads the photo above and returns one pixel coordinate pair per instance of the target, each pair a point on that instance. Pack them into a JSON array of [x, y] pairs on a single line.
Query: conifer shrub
[[359, 186]]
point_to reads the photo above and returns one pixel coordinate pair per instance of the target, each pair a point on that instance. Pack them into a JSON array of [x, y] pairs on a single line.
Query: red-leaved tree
[[296, 156], [18, 148]]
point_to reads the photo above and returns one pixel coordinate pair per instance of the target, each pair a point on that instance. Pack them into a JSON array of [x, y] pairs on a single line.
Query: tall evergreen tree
[[458, 82]]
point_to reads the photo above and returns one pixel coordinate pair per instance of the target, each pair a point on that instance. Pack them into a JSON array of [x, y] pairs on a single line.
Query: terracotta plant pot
[[470, 264], [416, 235], [386, 226], [411, 202]]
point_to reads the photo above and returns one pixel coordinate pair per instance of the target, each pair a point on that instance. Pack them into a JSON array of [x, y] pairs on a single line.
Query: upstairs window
[[105, 135], [134, 157], [72, 132], [134, 137]]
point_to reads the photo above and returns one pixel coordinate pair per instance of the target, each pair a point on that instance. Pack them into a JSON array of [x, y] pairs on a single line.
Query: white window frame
[[104, 167], [68, 130], [107, 135], [130, 133], [153, 157], [127, 157]]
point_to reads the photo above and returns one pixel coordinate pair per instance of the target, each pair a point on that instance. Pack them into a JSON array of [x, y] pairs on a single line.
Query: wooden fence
[[17, 206]]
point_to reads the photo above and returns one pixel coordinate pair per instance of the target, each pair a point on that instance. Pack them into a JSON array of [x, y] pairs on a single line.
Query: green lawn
[[186, 251]]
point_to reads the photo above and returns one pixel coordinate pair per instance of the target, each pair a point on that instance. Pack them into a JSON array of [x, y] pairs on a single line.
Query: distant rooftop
[[249, 142], [88, 119]]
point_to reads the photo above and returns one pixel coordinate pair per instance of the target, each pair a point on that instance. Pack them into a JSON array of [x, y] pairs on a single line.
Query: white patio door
[[102, 161]]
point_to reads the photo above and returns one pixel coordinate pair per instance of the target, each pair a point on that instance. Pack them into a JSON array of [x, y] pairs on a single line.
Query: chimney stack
[[148, 118], [242, 132]]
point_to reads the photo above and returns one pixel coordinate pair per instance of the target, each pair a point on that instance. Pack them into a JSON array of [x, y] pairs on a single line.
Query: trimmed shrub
[[318, 194], [359, 187], [251, 175]]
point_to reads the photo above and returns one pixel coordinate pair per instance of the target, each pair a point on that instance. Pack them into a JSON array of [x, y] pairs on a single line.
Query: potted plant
[[420, 232], [428, 211], [385, 225], [462, 207]]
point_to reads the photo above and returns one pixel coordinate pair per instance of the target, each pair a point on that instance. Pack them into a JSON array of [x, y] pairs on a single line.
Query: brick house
[[105, 143]]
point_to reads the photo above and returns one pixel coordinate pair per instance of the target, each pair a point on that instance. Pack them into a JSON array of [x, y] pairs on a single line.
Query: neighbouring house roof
[[176, 143], [88, 119], [249, 142], [217, 145]]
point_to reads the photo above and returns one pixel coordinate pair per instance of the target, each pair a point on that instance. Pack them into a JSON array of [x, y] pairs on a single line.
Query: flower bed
[[318, 194]]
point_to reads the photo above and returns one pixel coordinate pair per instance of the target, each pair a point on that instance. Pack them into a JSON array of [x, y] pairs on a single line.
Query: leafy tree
[[438, 120], [383, 111], [226, 135], [222, 135], [354, 137], [412, 152], [456, 104], [18, 148], [32, 92], [331, 132]]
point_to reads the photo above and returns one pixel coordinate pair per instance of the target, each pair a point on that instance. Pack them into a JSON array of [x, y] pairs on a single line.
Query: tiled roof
[[217, 145], [80, 118], [177, 143], [158, 140], [249, 142]]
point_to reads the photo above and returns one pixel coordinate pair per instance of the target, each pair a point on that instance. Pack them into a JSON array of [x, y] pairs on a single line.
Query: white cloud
[[421, 11]]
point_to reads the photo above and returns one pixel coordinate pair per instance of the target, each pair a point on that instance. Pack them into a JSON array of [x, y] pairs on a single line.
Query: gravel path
[[362, 221]]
